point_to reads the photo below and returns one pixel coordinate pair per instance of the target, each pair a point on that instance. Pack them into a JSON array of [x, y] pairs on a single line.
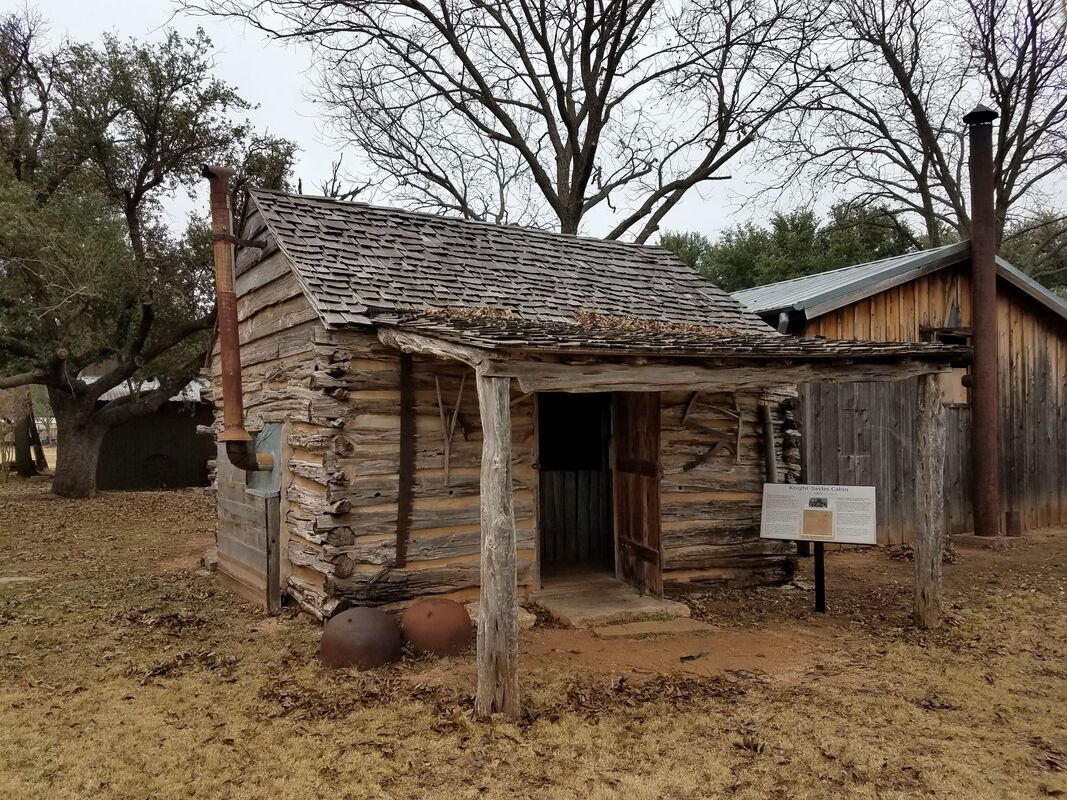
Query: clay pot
[[364, 638], [438, 626]]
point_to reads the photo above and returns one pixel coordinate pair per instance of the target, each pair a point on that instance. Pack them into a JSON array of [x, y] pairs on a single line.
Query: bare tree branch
[[544, 112], [891, 128]]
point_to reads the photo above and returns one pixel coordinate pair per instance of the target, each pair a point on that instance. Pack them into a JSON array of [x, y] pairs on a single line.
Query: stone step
[[604, 602], [656, 627]]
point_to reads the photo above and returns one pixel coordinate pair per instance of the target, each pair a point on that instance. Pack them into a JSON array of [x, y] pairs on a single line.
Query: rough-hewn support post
[[498, 622], [770, 458], [929, 501]]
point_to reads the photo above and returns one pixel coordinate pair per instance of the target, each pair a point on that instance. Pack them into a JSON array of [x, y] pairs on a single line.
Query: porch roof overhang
[[638, 356]]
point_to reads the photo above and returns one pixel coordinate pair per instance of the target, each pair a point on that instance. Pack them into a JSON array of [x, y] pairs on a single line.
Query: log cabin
[[444, 407], [862, 433]]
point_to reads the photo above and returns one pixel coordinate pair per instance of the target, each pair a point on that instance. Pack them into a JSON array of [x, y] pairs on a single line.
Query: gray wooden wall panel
[[862, 434]]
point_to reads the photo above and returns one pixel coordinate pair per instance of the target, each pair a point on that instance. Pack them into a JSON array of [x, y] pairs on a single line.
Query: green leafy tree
[[92, 282], [791, 245]]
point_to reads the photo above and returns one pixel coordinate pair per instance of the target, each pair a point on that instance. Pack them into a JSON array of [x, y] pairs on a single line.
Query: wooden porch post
[[929, 501], [498, 622]]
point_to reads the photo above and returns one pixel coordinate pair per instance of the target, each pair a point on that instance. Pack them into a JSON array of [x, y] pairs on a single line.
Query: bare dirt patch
[[122, 677], [190, 552]]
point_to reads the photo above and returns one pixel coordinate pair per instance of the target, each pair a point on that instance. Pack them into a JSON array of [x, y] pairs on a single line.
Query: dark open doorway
[[575, 507]]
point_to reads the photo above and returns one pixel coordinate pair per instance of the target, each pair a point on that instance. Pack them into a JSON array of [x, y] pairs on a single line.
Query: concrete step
[[597, 600], [658, 627]]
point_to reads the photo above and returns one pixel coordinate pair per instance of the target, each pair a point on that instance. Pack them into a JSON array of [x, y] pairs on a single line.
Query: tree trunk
[[77, 454], [23, 447], [39, 458], [78, 439]]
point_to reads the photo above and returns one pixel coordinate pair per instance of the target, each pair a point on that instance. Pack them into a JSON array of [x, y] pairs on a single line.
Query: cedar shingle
[[403, 262]]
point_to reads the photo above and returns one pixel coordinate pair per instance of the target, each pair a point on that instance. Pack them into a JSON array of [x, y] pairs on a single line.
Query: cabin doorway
[[575, 484]]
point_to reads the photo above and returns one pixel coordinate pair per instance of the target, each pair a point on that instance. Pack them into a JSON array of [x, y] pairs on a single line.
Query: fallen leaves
[[181, 662], [122, 679]]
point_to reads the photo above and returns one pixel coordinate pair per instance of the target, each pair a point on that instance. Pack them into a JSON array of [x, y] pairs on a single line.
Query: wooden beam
[[543, 376], [429, 346], [929, 501], [498, 626], [406, 468]]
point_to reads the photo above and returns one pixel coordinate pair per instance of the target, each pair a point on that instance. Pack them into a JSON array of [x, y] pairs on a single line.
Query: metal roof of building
[[362, 264], [818, 294]]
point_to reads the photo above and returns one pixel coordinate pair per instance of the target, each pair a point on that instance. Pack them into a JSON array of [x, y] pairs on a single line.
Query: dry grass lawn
[[126, 672]]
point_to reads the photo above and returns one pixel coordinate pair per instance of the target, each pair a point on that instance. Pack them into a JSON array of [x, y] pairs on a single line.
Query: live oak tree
[[889, 129], [92, 140], [544, 113]]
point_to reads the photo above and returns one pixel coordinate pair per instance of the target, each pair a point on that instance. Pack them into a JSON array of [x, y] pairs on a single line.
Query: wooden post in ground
[[24, 465], [929, 501], [38, 449], [498, 620]]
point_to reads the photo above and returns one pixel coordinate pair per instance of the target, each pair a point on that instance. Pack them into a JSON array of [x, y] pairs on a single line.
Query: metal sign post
[[820, 578]]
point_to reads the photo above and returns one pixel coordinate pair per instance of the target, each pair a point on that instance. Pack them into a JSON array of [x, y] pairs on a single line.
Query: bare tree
[[542, 111], [339, 187], [890, 129]]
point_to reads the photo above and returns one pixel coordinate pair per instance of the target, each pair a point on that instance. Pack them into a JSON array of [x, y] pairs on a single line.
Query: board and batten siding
[[862, 433]]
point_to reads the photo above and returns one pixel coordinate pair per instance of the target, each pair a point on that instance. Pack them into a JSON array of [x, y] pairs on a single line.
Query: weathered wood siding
[[161, 450], [574, 515], [343, 510], [862, 433], [276, 325], [712, 488], [247, 539]]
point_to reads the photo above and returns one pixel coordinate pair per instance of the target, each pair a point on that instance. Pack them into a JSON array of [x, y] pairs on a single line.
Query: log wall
[[712, 488], [868, 426]]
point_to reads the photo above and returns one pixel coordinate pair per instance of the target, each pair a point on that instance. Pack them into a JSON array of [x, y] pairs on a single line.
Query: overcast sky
[[276, 78]]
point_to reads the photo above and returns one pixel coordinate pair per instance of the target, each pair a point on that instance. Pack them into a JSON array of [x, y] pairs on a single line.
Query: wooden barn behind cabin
[[862, 433], [617, 393], [161, 449]]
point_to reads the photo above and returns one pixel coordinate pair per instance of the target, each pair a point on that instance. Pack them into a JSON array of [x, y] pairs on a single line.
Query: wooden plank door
[[635, 443]]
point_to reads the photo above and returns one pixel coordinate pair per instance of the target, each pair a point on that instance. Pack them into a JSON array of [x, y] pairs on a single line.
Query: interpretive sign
[[806, 512]]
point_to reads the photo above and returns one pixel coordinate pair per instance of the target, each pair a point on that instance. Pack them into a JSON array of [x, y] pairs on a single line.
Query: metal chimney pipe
[[240, 449], [985, 403]]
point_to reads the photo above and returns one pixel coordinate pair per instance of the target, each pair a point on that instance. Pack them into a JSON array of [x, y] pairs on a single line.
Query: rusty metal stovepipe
[[985, 405], [240, 449]]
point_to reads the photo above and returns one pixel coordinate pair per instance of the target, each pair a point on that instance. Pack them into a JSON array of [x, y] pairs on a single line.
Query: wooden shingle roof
[[593, 337], [363, 264]]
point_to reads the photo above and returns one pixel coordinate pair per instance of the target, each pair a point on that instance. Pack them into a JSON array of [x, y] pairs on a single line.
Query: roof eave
[[857, 290], [1031, 288]]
